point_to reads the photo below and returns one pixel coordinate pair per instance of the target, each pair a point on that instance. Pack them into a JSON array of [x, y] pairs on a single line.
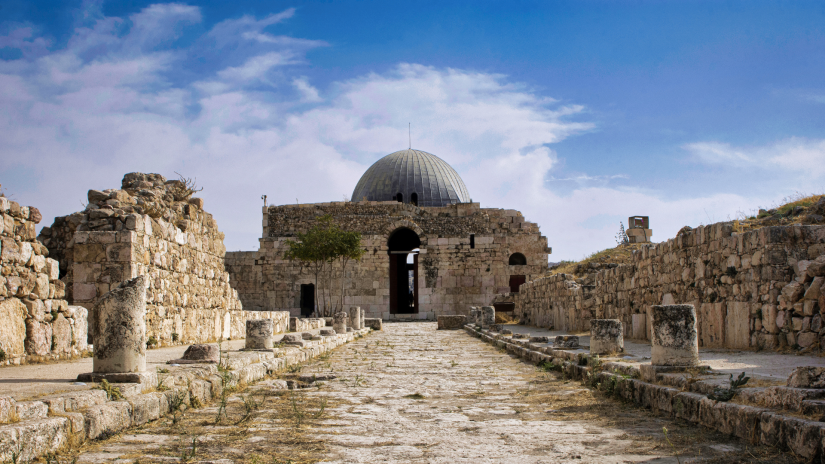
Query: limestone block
[[15, 252], [61, 335], [38, 337], [737, 325], [675, 339], [339, 322], [606, 336], [355, 317], [450, 322], [12, 327], [259, 334], [119, 329]]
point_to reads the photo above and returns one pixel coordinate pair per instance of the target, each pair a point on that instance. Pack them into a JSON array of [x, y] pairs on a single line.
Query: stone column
[[606, 336], [675, 340], [119, 330], [339, 322], [355, 317], [259, 334], [488, 316]]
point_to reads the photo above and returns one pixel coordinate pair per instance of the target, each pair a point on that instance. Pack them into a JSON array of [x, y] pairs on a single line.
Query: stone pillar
[[119, 330], [339, 322], [606, 336], [675, 340], [259, 334], [355, 317], [488, 316]]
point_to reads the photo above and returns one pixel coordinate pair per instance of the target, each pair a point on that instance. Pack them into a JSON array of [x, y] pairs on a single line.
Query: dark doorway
[[517, 259], [516, 281], [307, 299], [403, 275]]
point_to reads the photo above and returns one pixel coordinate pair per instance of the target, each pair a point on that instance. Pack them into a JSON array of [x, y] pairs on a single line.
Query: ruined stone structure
[[152, 227], [35, 319], [429, 251], [757, 289]]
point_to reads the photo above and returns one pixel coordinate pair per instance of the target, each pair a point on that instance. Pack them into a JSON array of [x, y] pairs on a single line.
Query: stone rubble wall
[[452, 275], [36, 322], [752, 290], [148, 227], [32, 429]]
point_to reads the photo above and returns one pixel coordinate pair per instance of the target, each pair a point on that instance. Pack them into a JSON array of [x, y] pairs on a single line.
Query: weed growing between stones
[[727, 394], [113, 393]]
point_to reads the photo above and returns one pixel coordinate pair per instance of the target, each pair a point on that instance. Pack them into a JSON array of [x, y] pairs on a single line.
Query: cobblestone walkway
[[413, 394]]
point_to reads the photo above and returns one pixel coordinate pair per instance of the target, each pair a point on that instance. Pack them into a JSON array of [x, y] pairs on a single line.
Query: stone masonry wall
[[761, 289], [151, 227], [452, 275], [36, 322]]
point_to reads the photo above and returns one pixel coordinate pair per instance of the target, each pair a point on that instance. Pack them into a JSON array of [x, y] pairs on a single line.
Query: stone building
[[429, 249]]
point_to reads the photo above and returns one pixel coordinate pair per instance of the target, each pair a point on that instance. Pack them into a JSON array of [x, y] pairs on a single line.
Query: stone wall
[[757, 289], [453, 275], [36, 322], [151, 227]]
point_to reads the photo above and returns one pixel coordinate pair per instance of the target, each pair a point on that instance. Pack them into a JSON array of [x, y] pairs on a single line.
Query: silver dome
[[409, 172]]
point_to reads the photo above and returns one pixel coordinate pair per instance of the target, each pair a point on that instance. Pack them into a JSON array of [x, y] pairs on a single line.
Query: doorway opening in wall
[[307, 299], [516, 281], [403, 246]]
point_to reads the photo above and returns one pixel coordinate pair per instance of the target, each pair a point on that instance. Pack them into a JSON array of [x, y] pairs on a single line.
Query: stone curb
[[49, 424], [805, 438]]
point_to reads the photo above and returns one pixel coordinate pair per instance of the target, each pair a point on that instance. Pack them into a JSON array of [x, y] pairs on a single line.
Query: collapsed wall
[[154, 227], [761, 289], [35, 319]]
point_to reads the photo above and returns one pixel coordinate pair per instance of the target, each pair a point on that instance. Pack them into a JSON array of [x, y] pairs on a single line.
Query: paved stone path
[[413, 394]]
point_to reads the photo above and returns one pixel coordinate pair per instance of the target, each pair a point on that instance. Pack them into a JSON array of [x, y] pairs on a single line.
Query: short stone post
[[119, 330], [339, 322], [355, 317], [488, 316], [606, 336], [259, 334], [675, 340]]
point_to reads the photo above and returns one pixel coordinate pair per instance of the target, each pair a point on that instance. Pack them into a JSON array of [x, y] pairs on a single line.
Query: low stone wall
[[150, 227], [36, 322], [49, 424], [776, 426], [300, 324], [757, 289]]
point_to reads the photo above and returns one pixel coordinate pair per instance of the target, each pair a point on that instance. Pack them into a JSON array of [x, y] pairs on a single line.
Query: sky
[[578, 114]]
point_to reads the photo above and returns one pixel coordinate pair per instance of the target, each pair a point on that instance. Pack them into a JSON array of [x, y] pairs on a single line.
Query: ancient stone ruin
[[151, 227], [36, 321]]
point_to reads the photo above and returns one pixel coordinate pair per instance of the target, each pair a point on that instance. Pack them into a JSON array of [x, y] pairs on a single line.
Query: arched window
[[517, 259], [399, 197], [414, 199]]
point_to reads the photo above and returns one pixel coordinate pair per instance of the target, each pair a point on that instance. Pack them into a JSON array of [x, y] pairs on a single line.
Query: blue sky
[[578, 114]]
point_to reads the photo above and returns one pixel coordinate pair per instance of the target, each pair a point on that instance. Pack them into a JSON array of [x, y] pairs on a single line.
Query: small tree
[[320, 247]]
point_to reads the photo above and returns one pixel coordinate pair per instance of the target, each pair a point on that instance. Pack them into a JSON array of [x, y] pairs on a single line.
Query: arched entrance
[[402, 244]]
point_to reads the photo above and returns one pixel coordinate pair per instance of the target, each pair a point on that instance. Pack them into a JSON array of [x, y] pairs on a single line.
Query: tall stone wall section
[[36, 322], [452, 275], [752, 290], [149, 228]]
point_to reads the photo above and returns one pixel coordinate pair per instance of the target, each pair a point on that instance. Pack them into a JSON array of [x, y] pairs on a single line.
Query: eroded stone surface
[[391, 398]]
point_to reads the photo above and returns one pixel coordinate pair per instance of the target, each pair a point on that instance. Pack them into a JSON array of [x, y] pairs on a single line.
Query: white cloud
[[82, 116], [791, 154]]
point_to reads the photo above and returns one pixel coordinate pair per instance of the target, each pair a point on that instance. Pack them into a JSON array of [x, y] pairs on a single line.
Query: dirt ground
[[412, 394]]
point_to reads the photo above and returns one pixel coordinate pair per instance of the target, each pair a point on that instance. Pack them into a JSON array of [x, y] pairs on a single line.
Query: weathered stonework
[[464, 257], [761, 289], [36, 322], [149, 228]]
